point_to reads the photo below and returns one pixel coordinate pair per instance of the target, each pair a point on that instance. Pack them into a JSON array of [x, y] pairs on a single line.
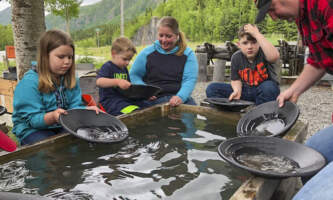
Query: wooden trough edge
[[66, 138]]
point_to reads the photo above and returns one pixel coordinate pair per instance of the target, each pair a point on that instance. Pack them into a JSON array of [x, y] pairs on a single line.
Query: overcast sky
[[4, 4]]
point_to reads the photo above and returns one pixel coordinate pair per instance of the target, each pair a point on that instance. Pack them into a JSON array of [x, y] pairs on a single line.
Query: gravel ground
[[316, 105]]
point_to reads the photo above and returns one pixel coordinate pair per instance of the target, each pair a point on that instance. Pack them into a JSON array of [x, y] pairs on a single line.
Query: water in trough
[[171, 157]]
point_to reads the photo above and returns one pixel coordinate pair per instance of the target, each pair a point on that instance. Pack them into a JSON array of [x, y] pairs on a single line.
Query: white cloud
[[89, 2], [3, 4]]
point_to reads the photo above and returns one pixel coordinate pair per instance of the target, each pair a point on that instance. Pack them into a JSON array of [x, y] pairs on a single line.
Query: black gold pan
[[271, 157], [268, 119], [234, 105], [87, 125], [139, 92]]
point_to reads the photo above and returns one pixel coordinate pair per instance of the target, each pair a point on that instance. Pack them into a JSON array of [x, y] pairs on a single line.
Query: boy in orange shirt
[[252, 74]]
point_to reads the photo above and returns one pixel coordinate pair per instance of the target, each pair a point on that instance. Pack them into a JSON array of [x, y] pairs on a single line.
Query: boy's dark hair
[[242, 33]]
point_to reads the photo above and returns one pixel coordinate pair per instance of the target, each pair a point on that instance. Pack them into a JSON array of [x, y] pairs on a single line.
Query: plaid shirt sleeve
[[316, 27]]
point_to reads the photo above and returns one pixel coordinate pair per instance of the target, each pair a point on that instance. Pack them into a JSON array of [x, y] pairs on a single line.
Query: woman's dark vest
[[165, 71]]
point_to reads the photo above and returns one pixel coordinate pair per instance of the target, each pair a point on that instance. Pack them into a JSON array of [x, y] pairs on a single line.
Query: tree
[[66, 9], [28, 21]]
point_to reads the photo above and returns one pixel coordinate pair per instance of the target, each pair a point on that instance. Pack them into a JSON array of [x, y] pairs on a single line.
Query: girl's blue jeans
[[40, 135]]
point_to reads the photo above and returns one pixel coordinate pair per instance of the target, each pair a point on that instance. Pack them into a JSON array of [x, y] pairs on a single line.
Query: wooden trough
[[253, 188]]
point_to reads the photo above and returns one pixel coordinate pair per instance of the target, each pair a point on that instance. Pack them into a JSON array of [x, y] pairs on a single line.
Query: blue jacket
[[30, 105], [190, 74]]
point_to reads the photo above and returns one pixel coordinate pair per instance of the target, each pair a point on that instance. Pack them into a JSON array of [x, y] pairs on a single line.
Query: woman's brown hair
[[50, 40], [172, 23]]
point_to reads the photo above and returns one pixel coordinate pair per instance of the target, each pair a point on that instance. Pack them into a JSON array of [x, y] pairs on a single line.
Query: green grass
[[2, 67], [93, 51], [274, 38]]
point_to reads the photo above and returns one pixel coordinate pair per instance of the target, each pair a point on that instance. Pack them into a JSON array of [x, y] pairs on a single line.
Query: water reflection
[[13, 175], [173, 157]]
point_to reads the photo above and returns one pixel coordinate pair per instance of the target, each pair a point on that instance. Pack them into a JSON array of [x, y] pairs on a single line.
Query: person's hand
[[152, 98], [95, 108], [251, 29], [56, 114], [287, 95], [123, 84], [175, 101], [235, 95]]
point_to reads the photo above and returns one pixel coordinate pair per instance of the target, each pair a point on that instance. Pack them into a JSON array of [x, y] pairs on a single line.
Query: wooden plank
[[141, 115], [225, 115], [217, 49], [223, 56], [7, 87], [9, 103], [256, 188], [59, 139]]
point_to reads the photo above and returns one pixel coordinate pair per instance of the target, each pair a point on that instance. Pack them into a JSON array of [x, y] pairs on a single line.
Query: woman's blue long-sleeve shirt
[[30, 105], [190, 74]]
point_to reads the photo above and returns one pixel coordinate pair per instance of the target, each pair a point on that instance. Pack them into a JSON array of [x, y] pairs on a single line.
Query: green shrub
[[86, 59], [90, 42]]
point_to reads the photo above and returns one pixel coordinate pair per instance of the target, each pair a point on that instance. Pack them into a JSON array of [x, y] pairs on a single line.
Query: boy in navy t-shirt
[[114, 74]]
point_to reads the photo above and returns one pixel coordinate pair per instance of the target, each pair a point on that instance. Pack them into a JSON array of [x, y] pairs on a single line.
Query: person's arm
[[271, 52], [112, 82], [324, 41], [304, 81], [138, 69], [105, 78], [236, 81], [315, 69], [190, 76], [237, 90], [52, 117]]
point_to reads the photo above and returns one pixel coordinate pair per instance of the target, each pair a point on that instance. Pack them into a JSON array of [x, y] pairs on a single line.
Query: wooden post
[[219, 70], [202, 61]]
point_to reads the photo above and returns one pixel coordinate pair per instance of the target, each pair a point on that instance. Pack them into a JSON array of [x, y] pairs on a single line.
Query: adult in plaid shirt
[[314, 19]]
